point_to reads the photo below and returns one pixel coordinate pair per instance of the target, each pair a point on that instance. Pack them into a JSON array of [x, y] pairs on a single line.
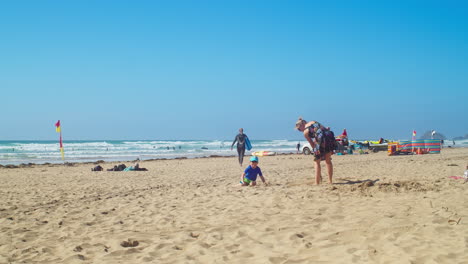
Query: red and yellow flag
[[58, 129]]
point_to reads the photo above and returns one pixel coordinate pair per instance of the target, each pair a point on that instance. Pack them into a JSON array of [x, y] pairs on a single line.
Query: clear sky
[[202, 69]]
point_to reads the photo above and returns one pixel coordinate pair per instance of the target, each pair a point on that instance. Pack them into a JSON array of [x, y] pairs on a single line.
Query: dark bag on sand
[[121, 167], [97, 168]]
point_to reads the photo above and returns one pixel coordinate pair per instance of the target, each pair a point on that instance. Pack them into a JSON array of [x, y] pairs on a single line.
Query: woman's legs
[[241, 152], [318, 172], [329, 167], [318, 169]]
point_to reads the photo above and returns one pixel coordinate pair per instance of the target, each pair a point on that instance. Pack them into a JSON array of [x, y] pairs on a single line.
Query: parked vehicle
[[306, 149]]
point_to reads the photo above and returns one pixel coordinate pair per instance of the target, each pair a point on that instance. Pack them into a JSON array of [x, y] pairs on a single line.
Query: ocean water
[[17, 152], [38, 152]]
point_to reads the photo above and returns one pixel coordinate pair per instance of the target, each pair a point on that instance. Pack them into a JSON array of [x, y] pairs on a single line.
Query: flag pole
[[61, 147], [58, 129]]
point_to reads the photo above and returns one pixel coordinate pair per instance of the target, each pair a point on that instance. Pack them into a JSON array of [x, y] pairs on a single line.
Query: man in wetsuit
[[240, 139]]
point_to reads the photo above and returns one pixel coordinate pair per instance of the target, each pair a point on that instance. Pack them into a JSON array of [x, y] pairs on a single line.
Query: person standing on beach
[[240, 139], [298, 146], [465, 175], [322, 141]]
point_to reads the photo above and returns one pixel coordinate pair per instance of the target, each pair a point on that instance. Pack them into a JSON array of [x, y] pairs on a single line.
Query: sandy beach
[[381, 209]]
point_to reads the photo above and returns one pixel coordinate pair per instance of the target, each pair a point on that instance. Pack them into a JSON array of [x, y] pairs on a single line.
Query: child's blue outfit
[[251, 174]]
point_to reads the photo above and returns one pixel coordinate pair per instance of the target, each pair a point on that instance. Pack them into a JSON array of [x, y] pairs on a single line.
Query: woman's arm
[[309, 139], [234, 142], [319, 137]]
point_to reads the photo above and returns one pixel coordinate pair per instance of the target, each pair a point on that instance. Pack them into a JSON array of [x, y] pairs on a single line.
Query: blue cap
[[254, 158]]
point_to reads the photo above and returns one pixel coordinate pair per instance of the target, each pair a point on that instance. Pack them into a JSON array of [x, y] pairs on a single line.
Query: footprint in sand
[[130, 243], [297, 236], [194, 234], [205, 245], [244, 254], [218, 236], [277, 260], [178, 247], [78, 249], [240, 234], [337, 217], [232, 247]]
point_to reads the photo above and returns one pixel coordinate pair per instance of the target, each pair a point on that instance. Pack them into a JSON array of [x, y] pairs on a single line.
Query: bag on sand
[[97, 168]]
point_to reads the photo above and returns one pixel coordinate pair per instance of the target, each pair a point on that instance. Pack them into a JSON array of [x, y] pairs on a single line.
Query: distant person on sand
[[135, 167], [249, 177], [298, 146], [465, 175], [322, 141], [240, 139]]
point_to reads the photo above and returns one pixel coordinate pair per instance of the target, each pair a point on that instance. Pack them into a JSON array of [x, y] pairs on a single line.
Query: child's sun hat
[[254, 159]]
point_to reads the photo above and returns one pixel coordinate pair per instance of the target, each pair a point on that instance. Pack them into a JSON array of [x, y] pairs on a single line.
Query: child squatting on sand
[[250, 174]]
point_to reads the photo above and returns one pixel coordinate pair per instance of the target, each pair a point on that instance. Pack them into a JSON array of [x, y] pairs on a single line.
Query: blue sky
[[202, 69]]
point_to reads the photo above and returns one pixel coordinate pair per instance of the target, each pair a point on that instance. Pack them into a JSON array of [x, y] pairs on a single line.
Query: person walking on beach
[[298, 146], [322, 141], [240, 139]]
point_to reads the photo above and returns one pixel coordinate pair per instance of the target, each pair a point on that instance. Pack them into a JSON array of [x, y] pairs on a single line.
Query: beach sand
[[381, 209]]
